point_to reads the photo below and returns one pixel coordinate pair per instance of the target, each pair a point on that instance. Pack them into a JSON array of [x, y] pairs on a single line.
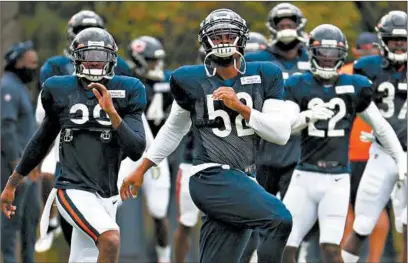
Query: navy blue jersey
[[62, 65], [159, 101], [324, 145], [288, 67], [273, 154], [221, 134], [90, 149], [390, 92]]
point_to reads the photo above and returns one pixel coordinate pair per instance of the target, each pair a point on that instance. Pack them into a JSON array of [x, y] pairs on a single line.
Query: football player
[[286, 23], [57, 66], [388, 72], [147, 55], [275, 163], [229, 104], [187, 210], [328, 103], [99, 116]]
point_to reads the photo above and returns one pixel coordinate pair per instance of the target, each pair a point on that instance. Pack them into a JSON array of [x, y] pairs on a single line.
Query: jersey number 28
[[331, 131], [241, 130]]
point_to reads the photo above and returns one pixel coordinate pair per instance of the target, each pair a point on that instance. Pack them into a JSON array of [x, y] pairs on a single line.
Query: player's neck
[[228, 72]]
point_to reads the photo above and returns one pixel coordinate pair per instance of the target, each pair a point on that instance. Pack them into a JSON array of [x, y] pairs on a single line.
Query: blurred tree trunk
[[10, 27], [371, 12]]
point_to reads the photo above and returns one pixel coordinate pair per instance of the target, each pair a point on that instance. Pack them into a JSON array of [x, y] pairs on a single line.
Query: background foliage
[[177, 23]]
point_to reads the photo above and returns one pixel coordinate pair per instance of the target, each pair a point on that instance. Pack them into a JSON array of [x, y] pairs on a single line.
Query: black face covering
[[223, 62], [26, 75], [287, 47]]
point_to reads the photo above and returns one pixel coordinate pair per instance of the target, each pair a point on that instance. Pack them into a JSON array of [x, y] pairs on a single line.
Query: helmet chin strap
[[214, 70]]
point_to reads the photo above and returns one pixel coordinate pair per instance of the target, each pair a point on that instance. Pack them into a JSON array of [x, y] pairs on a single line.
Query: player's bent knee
[[283, 220], [364, 225], [109, 239]]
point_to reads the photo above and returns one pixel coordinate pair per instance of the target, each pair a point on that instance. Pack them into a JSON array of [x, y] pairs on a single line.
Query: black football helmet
[[256, 42], [223, 33], [327, 47], [393, 26], [94, 54], [144, 50], [81, 21], [284, 36]]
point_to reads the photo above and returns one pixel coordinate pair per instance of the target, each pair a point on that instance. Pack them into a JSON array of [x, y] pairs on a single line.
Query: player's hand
[[229, 97], [320, 112], [367, 137], [132, 183], [103, 96], [7, 198]]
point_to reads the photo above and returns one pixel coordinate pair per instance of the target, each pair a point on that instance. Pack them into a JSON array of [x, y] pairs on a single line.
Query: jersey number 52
[[241, 129], [331, 130]]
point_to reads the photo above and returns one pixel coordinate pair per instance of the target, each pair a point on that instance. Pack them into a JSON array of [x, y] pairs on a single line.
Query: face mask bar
[[333, 53], [94, 54], [399, 58]]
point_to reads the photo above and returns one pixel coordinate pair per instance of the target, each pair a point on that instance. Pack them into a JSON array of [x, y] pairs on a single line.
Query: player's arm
[[273, 122], [130, 131], [168, 138], [38, 146], [174, 129], [382, 130], [369, 112], [301, 119]]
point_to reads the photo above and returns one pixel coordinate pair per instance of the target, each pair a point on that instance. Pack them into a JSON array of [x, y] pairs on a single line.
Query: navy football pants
[[233, 204]]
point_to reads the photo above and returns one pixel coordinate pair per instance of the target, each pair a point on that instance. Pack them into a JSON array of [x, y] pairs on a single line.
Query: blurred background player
[[57, 66], [276, 163], [17, 127], [366, 44], [328, 103], [388, 74], [147, 55]]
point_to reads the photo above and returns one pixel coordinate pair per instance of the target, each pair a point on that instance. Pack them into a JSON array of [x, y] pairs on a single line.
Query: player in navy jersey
[[147, 55], [59, 66], [286, 24], [388, 72], [99, 116], [187, 210], [276, 163], [328, 102], [229, 104]]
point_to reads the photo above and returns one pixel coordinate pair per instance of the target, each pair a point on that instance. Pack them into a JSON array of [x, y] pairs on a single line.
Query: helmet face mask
[[223, 35], [286, 24], [94, 53], [327, 51], [392, 32]]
